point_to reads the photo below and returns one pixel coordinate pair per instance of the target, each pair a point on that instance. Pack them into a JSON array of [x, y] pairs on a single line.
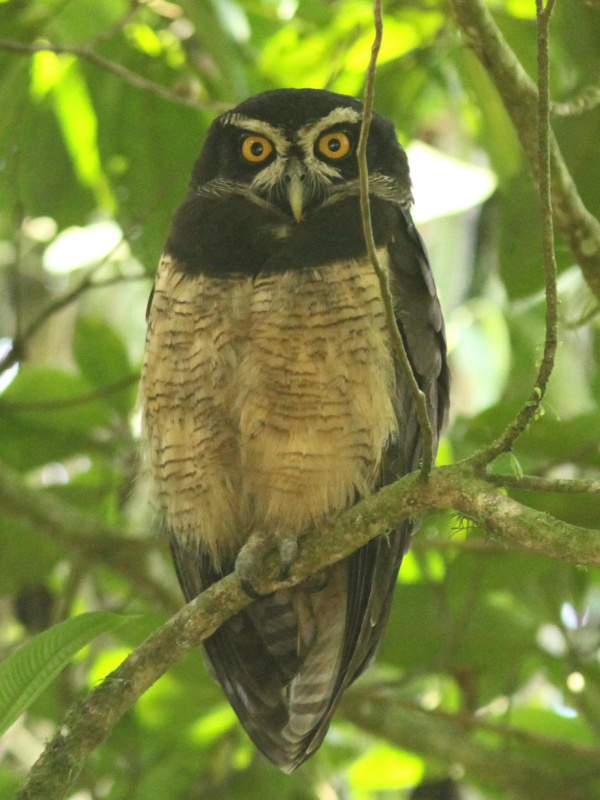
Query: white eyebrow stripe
[[273, 174], [275, 135], [309, 133]]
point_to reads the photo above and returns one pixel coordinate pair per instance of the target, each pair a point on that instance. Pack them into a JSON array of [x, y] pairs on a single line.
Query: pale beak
[[294, 176]]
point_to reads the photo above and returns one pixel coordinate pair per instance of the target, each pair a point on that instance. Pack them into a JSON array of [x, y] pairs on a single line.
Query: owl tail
[[279, 664], [285, 661]]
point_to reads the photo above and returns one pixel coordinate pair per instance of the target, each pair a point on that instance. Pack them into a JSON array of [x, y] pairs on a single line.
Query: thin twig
[[584, 319], [536, 484], [116, 27], [20, 340], [16, 352], [580, 229], [506, 441], [365, 206], [85, 53]]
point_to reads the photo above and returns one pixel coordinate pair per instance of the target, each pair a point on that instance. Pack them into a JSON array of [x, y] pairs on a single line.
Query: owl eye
[[334, 145], [256, 148]]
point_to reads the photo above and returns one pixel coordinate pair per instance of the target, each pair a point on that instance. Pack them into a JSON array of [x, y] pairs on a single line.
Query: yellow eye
[[256, 148], [334, 145]]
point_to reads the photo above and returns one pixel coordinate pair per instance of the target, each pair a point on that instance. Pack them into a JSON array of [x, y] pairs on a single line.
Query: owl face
[[295, 151]]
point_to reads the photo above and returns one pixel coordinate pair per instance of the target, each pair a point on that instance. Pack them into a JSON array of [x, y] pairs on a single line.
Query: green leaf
[[46, 414], [26, 557], [99, 351], [384, 767], [102, 357], [61, 77], [27, 671]]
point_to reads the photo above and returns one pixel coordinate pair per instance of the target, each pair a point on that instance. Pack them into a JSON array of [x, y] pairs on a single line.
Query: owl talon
[[288, 552], [318, 581], [249, 563], [250, 590]]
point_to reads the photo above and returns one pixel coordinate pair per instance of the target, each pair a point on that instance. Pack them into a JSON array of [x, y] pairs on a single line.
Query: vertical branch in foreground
[[365, 207], [580, 229], [505, 442]]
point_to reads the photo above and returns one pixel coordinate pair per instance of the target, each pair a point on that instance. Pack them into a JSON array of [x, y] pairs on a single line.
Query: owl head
[[283, 166], [296, 150]]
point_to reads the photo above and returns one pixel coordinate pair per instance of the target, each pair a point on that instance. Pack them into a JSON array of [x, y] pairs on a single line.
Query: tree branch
[[536, 775], [536, 484], [85, 53], [87, 724], [81, 533], [447, 488], [580, 229], [506, 441], [382, 275]]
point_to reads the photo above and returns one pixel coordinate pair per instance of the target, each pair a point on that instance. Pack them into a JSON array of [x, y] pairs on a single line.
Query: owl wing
[[373, 569]]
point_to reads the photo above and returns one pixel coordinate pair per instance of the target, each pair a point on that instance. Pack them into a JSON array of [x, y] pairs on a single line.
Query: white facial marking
[[335, 117], [272, 174], [273, 134], [309, 134], [319, 174]]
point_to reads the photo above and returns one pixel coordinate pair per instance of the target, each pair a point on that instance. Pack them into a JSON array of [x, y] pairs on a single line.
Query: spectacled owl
[[272, 399]]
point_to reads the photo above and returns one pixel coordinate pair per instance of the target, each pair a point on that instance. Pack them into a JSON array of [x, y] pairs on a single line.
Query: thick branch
[[88, 723], [579, 228], [448, 488], [512, 521]]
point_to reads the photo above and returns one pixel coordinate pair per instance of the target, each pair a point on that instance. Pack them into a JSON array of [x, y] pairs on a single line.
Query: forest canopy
[[487, 684]]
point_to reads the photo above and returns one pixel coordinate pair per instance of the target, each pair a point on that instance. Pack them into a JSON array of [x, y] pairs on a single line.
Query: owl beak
[[294, 176]]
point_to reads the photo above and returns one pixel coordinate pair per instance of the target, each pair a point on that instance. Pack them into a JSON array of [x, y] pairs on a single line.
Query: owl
[[272, 398]]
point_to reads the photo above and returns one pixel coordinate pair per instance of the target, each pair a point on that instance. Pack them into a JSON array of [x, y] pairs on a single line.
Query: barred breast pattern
[[268, 401], [196, 327]]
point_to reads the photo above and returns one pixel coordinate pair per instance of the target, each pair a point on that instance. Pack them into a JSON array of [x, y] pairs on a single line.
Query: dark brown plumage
[[272, 400]]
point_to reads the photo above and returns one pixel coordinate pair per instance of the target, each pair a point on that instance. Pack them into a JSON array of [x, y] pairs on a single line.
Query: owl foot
[[288, 551], [249, 563], [318, 581]]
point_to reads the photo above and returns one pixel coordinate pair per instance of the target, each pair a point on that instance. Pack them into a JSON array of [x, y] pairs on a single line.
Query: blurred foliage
[[91, 169]]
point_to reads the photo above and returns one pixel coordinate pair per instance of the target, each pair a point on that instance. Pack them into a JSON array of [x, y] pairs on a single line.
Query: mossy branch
[[88, 723], [580, 229]]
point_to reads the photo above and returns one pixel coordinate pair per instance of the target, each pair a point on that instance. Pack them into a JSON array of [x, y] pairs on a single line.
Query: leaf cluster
[[488, 682]]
